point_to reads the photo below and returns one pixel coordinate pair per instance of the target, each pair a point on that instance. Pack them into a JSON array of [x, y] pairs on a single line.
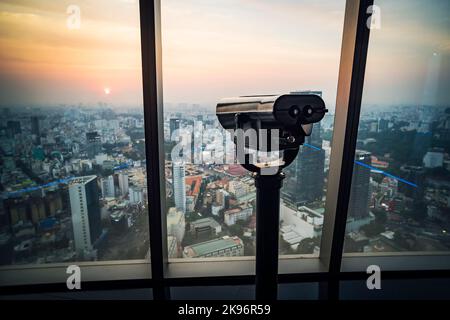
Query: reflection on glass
[[218, 49], [72, 174], [400, 197]]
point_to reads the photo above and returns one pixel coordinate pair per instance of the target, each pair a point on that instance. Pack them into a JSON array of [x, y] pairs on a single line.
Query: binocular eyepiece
[[291, 114]]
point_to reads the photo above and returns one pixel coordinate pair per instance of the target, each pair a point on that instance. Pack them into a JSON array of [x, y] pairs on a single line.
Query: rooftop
[[203, 248], [205, 222], [82, 180], [195, 183]]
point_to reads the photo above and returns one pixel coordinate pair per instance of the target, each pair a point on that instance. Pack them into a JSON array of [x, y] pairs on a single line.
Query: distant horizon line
[[177, 105]]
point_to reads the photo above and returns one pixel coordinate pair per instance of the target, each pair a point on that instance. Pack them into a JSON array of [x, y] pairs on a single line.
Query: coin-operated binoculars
[[268, 131]]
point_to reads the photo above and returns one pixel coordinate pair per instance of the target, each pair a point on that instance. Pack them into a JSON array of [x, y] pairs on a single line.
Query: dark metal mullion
[[351, 134], [152, 93]]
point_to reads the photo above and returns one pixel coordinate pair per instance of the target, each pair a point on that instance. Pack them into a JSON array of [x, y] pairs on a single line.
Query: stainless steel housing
[[292, 114], [272, 110]]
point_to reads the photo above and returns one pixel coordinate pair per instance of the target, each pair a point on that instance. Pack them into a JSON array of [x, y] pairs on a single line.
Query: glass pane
[[73, 184], [401, 180], [218, 49]]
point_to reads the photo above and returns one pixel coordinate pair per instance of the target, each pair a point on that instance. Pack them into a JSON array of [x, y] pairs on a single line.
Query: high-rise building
[[172, 247], [108, 189], [358, 206], [123, 183], [434, 158], [174, 124], [35, 130], [305, 183], [421, 144], [416, 175], [196, 143], [305, 176], [176, 224], [94, 145], [13, 128], [136, 195], [85, 209], [383, 125], [179, 186], [38, 212]]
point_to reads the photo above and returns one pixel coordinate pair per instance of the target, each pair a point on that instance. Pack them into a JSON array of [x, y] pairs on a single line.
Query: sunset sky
[[214, 49]]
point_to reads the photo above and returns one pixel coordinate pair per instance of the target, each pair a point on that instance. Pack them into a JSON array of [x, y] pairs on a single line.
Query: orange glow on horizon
[[211, 49], [45, 61]]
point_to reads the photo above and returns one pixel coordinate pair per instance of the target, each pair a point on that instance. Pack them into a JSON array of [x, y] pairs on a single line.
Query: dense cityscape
[[73, 186]]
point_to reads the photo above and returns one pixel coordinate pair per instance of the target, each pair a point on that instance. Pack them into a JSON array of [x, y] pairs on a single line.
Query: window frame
[[330, 266]]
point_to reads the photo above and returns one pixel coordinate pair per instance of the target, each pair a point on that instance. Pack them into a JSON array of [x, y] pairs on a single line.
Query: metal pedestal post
[[267, 229]]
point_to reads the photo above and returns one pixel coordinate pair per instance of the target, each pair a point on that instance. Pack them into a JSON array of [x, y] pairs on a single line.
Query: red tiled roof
[[194, 182]]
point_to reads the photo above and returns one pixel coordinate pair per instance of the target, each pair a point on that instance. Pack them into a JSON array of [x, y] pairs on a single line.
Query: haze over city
[[211, 50], [71, 100]]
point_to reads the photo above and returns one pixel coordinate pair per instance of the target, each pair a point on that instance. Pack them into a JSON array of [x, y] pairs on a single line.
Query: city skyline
[[43, 156], [81, 119]]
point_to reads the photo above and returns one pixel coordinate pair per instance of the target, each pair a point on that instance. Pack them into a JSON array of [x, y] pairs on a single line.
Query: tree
[[351, 245], [307, 245], [249, 248], [418, 211], [284, 246], [373, 229], [236, 230], [380, 216]]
